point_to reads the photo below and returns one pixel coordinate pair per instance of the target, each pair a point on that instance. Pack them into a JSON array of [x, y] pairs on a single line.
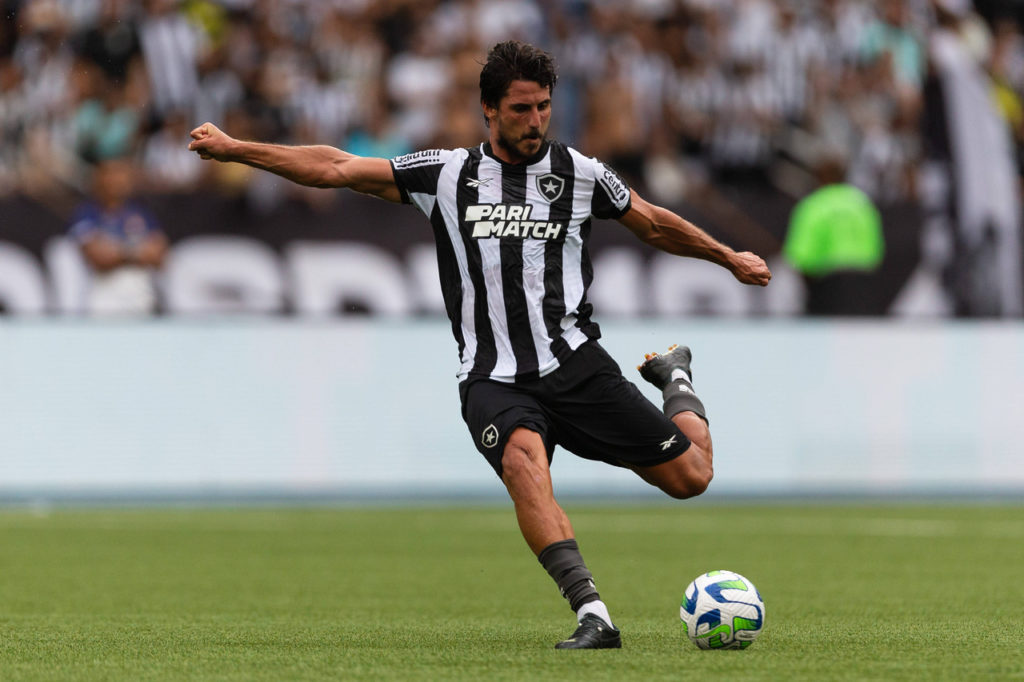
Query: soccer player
[[511, 220]]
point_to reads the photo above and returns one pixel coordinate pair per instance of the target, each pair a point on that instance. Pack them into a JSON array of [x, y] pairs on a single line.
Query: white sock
[[678, 374], [597, 608]]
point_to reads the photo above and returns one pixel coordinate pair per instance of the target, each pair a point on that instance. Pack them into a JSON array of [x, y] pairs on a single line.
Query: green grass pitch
[[853, 592]]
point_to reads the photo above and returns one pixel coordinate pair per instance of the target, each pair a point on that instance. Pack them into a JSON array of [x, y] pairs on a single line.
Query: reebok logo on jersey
[[476, 182], [509, 220]]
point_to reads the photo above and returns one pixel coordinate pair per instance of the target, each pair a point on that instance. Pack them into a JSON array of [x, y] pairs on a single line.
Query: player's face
[[520, 123]]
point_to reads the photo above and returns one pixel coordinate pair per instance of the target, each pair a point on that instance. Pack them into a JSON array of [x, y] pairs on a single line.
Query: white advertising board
[[292, 407]]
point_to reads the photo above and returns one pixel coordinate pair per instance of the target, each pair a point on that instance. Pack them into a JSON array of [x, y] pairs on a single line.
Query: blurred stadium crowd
[[686, 98], [670, 92]]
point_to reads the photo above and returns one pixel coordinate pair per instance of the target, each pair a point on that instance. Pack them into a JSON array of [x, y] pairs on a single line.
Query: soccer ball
[[722, 610]]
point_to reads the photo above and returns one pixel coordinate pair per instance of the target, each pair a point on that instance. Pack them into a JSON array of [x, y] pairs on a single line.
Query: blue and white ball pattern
[[722, 610]]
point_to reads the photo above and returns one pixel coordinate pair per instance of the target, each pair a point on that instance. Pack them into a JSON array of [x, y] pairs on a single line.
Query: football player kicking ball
[[511, 219]]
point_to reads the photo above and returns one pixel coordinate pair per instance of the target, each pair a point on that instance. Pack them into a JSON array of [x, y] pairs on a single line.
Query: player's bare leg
[[527, 476], [689, 474], [549, 534]]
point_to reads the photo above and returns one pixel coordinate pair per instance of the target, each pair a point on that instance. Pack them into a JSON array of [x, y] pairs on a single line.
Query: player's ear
[[489, 113]]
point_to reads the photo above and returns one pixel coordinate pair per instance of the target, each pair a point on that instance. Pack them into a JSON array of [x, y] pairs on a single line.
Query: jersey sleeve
[[611, 193], [416, 174]]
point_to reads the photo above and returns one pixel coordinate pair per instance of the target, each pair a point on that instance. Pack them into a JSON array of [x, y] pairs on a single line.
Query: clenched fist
[[210, 142], [749, 268]]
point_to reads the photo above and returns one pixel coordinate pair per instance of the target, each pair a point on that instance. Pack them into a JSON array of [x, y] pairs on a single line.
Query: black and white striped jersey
[[512, 250]]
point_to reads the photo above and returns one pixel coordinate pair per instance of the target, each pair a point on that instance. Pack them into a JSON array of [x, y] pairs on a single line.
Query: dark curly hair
[[510, 61]]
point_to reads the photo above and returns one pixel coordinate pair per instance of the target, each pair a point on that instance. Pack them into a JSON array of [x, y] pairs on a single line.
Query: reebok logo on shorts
[[665, 445]]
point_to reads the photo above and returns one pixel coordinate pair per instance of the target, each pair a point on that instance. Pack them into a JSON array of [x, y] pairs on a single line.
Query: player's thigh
[[682, 477], [493, 411], [603, 416]]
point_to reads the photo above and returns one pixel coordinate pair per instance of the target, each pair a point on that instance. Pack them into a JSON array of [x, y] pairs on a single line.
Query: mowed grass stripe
[[852, 592]]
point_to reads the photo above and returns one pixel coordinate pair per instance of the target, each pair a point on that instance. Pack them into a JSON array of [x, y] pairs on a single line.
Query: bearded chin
[[511, 147], [506, 144]]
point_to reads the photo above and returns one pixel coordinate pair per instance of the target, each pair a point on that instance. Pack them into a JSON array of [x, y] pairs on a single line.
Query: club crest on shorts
[[490, 436], [550, 186]]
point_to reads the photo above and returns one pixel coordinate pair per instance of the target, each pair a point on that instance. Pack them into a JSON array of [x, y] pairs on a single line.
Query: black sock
[[564, 564], [680, 397]]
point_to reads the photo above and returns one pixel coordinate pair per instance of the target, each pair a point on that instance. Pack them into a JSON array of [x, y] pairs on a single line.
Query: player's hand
[[210, 142], [750, 268]]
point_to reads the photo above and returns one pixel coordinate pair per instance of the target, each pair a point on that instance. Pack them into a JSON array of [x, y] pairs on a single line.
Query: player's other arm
[[311, 165], [669, 232]]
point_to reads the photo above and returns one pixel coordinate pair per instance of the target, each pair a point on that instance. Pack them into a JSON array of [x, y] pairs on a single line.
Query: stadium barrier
[[258, 406]]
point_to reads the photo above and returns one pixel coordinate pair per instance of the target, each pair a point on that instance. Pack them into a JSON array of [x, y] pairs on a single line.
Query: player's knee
[[684, 490], [524, 458], [699, 483], [687, 483], [515, 463]]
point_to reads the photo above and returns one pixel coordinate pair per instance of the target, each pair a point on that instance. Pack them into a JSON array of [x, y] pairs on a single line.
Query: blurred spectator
[[748, 116], [105, 123], [835, 239], [113, 42], [751, 27], [417, 81], [13, 115], [120, 242], [892, 40], [172, 46], [166, 164], [614, 133], [1006, 67], [43, 99], [486, 22], [975, 208], [44, 55], [795, 53]]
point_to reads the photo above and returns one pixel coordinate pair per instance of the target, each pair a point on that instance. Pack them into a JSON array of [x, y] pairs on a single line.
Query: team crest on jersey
[[550, 186]]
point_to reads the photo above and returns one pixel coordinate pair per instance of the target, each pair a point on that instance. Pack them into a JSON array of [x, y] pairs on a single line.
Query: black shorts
[[586, 406]]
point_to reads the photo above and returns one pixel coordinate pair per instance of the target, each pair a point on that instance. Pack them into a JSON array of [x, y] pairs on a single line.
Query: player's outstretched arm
[[311, 165], [669, 232]]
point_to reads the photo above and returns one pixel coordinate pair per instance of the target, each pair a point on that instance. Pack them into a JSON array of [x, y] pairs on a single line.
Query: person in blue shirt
[[120, 242]]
